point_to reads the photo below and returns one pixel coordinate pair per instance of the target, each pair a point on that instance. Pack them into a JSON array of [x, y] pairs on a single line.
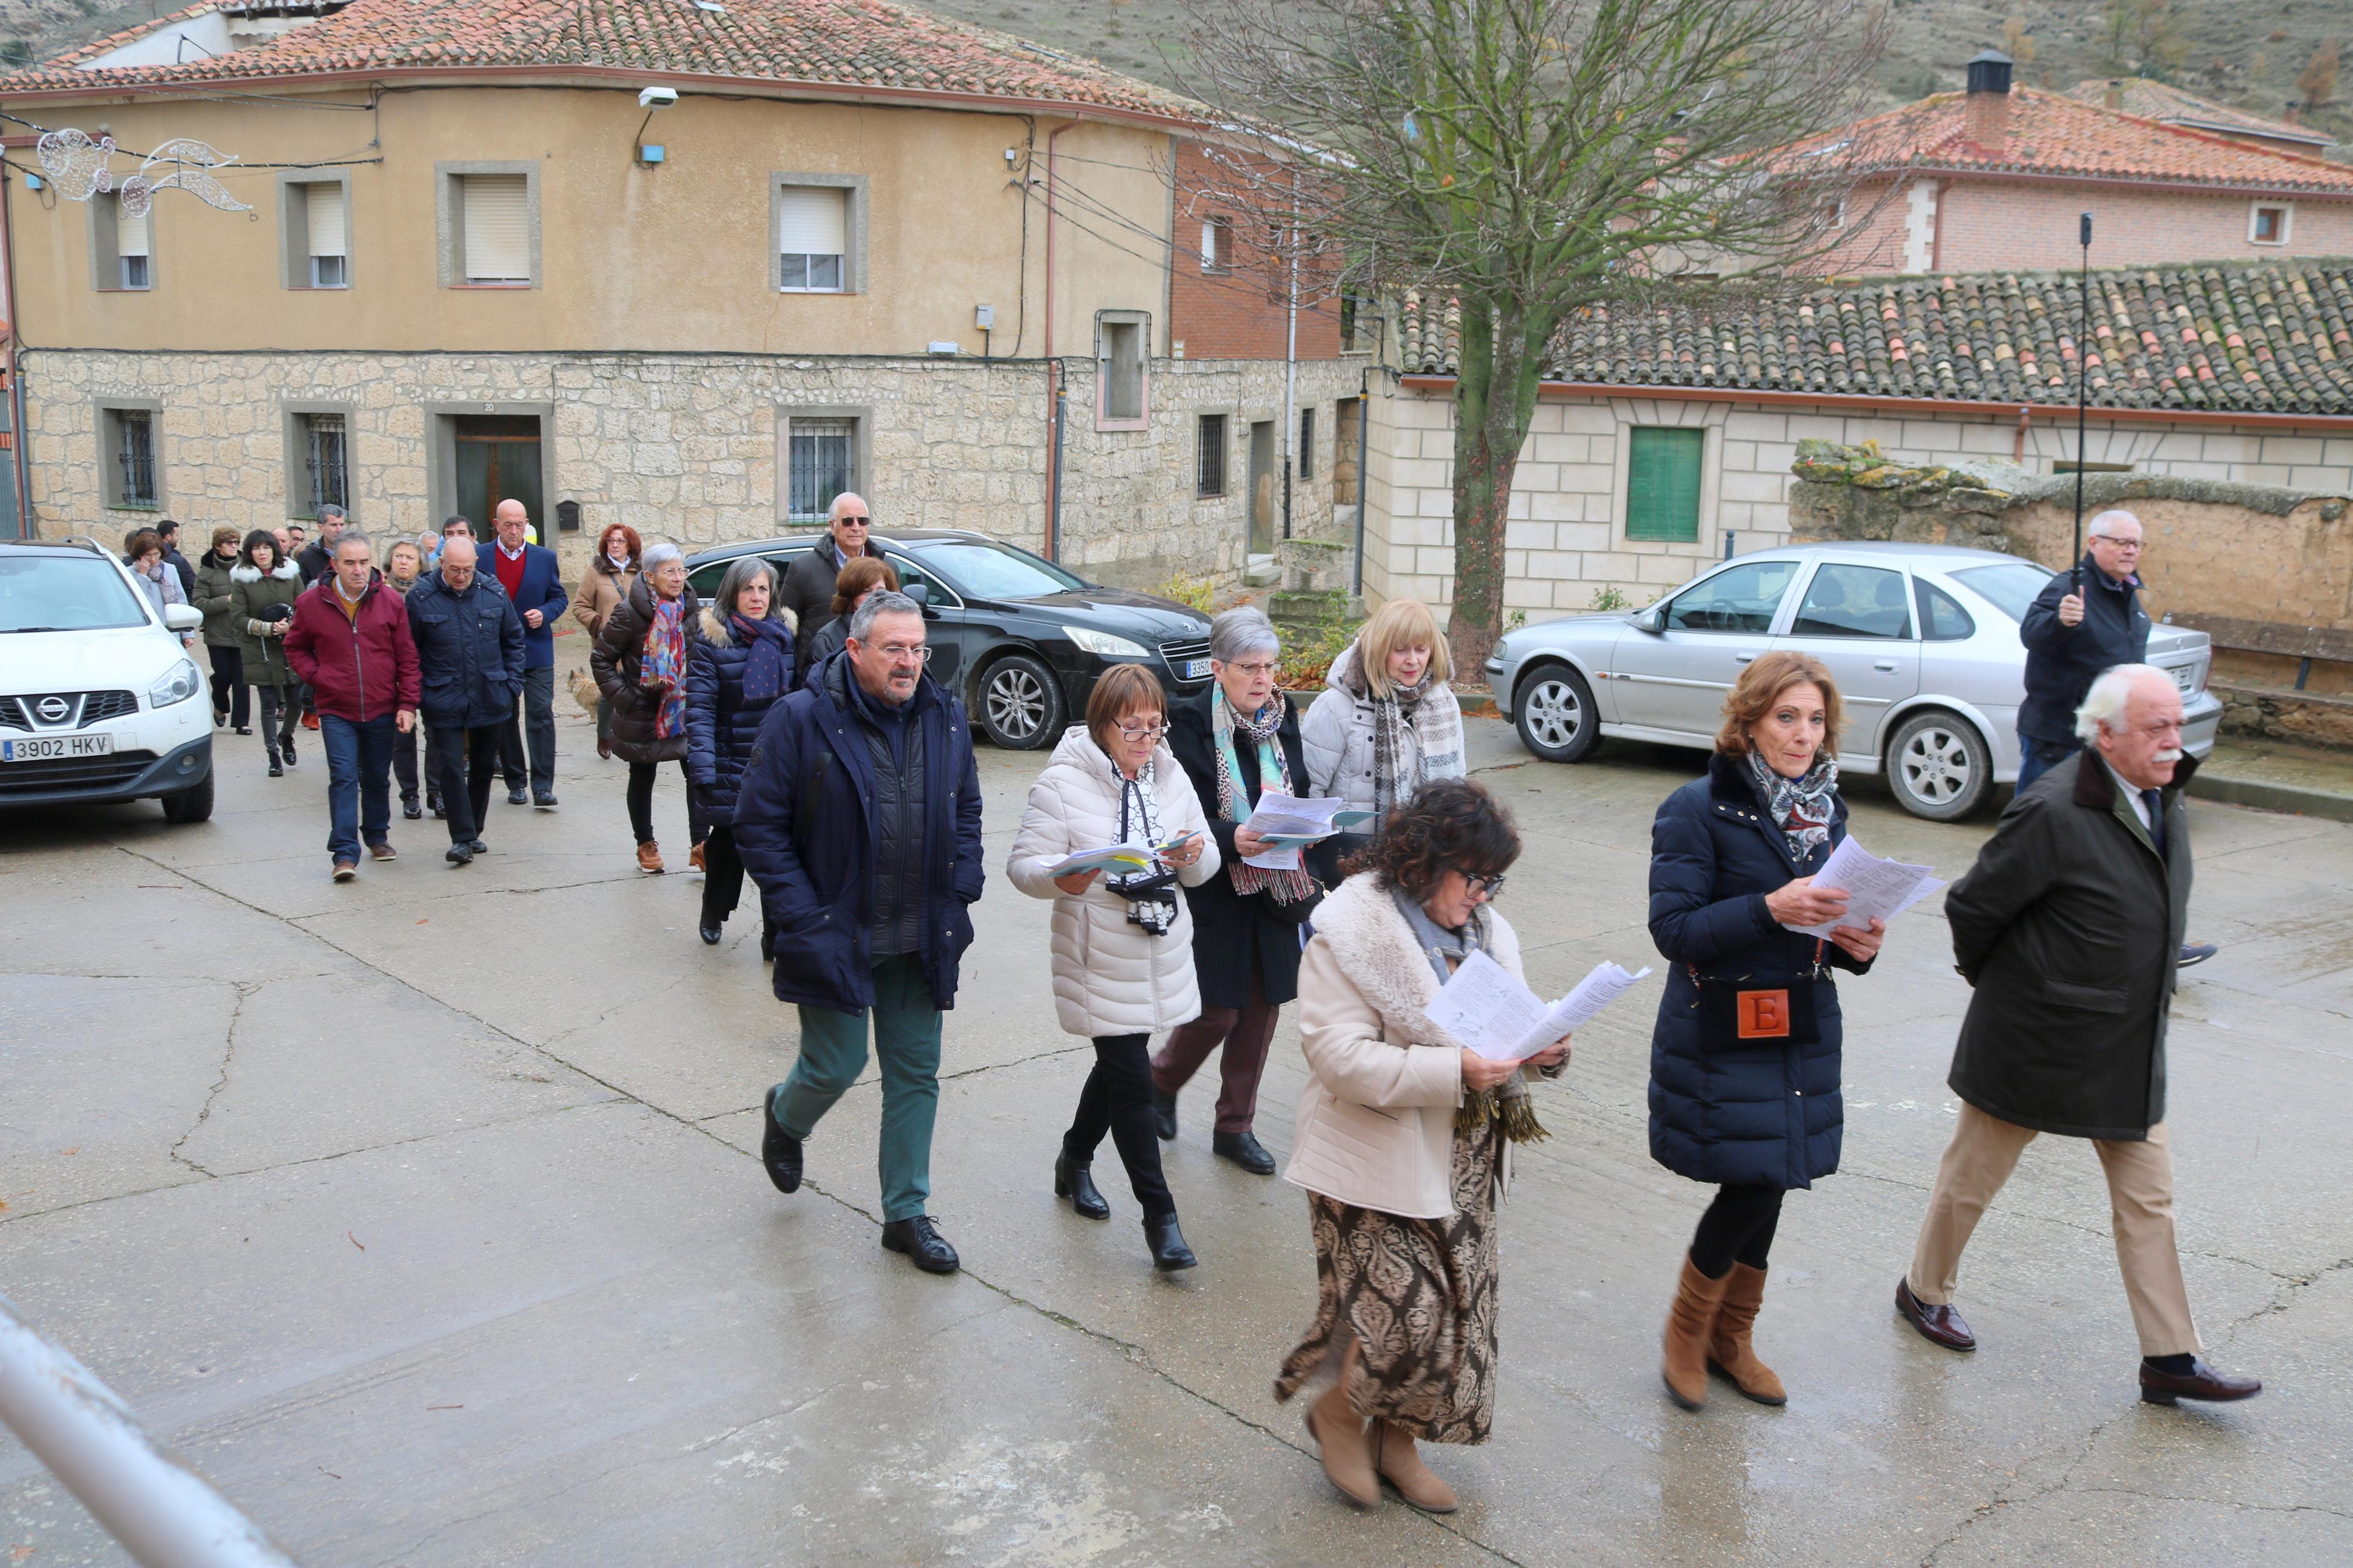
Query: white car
[[99, 700]]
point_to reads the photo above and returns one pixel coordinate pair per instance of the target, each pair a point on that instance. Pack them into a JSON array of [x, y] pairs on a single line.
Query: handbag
[[1741, 1011]]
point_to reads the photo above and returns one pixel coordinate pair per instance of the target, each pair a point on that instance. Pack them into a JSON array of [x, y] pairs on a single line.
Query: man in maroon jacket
[[350, 643]]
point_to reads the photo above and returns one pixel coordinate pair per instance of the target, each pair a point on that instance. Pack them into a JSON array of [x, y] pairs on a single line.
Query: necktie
[[2156, 804]]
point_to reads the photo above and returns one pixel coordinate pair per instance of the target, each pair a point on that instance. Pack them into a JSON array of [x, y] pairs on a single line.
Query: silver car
[[1922, 639]]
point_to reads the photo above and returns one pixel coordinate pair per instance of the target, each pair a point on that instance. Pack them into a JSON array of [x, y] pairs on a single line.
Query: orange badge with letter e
[[1764, 1014]]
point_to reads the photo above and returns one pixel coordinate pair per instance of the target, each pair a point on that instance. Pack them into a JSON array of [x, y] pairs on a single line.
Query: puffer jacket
[[614, 661], [1337, 738], [250, 593], [720, 722], [469, 651], [1111, 975], [214, 589]]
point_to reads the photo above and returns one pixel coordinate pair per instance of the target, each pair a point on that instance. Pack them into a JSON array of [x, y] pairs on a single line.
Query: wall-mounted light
[[650, 99]]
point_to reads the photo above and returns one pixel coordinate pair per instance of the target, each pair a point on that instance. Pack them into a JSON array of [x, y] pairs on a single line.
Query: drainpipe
[[2018, 442], [1290, 361], [24, 520], [1054, 497], [1364, 480], [1054, 396]]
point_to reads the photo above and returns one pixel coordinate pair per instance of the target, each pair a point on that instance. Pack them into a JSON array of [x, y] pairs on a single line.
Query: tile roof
[[868, 45], [2162, 101], [2049, 133], [2272, 338]]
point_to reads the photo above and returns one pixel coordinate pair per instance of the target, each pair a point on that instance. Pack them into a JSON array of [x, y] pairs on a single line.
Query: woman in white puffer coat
[[1123, 944]]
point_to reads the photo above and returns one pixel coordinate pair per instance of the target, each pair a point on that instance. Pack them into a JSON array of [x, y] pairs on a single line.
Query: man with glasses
[[2068, 929], [859, 817], [807, 590]]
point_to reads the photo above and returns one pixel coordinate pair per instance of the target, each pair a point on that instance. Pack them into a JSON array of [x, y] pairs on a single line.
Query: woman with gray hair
[[641, 663], [1236, 741], [739, 668]]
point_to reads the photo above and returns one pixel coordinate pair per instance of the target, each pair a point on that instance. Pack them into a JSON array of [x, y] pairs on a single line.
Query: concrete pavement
[[422, 1215]]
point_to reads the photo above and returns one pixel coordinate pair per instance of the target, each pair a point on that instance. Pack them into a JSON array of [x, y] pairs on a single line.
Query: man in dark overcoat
[[807, 588], [2069, 929]]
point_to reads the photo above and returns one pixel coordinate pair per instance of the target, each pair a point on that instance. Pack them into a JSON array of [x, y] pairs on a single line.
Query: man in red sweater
[[349, 642]]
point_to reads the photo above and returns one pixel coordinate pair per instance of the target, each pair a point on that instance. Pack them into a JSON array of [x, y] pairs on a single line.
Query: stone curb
[[2267, 796]]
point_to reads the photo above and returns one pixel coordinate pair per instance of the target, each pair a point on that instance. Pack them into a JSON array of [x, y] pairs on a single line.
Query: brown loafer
[[2201, 1382], [1939, 1325], [382, 852]]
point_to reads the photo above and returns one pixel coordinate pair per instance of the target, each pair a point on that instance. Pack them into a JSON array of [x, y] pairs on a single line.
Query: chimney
[[2289, 118], [2115, 97], [1986, 124]]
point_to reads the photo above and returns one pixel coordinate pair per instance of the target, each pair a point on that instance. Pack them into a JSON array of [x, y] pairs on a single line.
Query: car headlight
[[179, 683], [1502, 647], [1102, 645]]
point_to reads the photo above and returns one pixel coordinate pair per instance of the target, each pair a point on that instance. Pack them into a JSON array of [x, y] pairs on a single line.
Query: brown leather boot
[[1333, 1421], [1728, 1350], [1396, 1458], [1689, 1322], [649, 857]]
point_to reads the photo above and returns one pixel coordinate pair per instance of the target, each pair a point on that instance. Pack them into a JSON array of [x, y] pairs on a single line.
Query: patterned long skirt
[[1419, 1295]]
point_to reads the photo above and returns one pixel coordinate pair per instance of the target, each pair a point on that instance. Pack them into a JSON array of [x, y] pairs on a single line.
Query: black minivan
[[1020, 639]]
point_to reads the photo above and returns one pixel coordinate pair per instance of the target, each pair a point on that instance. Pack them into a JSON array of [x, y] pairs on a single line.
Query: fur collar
[[715, 629], [1376, 950], [242, 573]]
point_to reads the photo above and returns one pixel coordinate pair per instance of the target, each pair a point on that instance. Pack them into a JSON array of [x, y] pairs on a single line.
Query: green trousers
[[907, 1045]]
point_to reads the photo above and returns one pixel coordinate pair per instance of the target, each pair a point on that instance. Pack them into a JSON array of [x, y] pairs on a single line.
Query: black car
[[1022, 640]]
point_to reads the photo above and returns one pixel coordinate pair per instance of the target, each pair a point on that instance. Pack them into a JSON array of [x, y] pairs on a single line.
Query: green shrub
[[1307, 656], [1192, 593]]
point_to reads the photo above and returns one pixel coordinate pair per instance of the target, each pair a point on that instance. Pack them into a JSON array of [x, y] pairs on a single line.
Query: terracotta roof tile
[[2167, 103], [2270, 338]]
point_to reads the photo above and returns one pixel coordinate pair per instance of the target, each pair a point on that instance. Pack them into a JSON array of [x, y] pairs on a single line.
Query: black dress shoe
[[276, 770], [710, 936], [1077, 1183], [2201, 1382], [458, 855], [409, 808], [780, 1154], [477, 846], [767, 942], [2197, 952], [516, 796], [1937, 1325], [545, 801], [1244, 1150], [1164, 1115], [922, 1241], [1169, 1252]]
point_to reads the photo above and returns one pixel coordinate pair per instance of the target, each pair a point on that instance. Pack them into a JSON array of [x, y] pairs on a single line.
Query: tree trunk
[[1494, 400]]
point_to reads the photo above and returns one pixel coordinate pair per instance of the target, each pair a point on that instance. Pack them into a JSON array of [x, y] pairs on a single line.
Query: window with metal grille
[[132, 435], [1307, 443], [812, 239], [1662, 484], [819, 456], [324, 438], [1211, 472]]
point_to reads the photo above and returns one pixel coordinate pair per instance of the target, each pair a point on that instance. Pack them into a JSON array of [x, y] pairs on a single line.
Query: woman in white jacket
[[1387, 722], [1122, 945]]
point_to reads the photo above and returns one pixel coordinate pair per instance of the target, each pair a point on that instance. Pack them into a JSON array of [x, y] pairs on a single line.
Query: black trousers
[[1117, 1099], [722, 875], [278, 722], [404, 761], [641, 802], [228, 683], [465, 764], [1736, 1228]]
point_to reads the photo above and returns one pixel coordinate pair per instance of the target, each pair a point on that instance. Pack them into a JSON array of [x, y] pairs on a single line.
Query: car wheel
[[194, 804], [1020, 702], [1553, 710], [1938, 766]]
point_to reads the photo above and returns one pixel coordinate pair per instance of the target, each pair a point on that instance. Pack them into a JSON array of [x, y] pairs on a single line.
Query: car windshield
[[2010, 587], [994, 572], [65, 593]]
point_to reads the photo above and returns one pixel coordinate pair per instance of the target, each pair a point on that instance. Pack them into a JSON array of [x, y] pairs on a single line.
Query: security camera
[[658, 97]]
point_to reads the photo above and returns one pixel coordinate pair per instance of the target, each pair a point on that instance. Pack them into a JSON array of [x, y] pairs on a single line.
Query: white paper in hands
[[1492, 1013], [1118, 860], [1295, 821], [1875, 889]]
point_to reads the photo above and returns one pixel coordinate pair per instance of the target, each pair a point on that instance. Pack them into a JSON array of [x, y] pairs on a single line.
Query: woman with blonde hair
[[1745, 1057], [1387, 722], [1123, 942]]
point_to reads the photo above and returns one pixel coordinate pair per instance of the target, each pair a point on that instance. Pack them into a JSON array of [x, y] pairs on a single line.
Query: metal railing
[[147, 1497]]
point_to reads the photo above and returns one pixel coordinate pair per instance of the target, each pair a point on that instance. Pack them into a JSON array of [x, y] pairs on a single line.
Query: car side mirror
[[182, 618], [919, 591], [1650, 620]]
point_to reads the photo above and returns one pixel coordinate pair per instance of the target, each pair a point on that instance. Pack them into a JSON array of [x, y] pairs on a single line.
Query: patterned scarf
[[1801, 807], [770, 644], [1233, 802], [662, 665], [1444, 949], [1437, 728]]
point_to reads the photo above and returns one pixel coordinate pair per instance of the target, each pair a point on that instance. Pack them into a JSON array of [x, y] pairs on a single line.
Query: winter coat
[[2062, 661], [807, 591], [214, 589], [831, 639], [250, 593], [805, 829], [1111, 975], [541, 588], [162, 590], [315, 560], [615, 660], [602, 589], [1336, 737], [1231, 931], [721, 725], [1376, 1123], [1760, 1113], [359, 666], [469, 651], [2068, 928], [186, 572]]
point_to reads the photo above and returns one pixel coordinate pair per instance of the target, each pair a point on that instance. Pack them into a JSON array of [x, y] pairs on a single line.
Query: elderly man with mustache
[[2069, 929]]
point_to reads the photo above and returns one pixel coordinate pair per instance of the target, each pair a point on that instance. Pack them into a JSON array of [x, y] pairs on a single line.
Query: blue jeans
[[2037, 757], [907, 1044], [358, 782]]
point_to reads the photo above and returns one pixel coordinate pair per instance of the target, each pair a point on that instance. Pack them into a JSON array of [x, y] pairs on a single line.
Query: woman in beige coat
[[1123, 944], [1403, 1144], [604, 588]]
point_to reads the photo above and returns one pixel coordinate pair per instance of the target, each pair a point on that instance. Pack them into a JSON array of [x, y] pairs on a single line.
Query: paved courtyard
[[424, 1216]]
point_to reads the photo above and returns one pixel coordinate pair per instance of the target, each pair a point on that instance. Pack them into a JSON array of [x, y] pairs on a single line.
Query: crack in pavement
[[246, 991]]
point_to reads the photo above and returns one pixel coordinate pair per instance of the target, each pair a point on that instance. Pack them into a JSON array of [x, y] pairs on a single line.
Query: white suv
[[97, 699]]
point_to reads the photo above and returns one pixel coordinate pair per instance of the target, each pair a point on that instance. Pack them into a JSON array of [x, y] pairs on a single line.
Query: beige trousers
[[1983, 1153]]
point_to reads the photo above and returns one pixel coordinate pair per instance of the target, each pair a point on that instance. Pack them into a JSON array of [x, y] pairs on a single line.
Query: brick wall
[[1236, 310]]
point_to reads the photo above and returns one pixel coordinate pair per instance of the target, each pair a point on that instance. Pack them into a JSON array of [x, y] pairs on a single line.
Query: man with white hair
[[2069, 930], [808, 584]]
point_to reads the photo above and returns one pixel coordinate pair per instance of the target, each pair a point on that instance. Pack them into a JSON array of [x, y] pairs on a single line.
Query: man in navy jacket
[[529, 573], [859, 817], [2072, 635]]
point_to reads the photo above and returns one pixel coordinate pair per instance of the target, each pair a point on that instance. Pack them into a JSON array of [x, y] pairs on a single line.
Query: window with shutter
[[1662, 485], [812, 239], [135, 246], [496, 216], [330, 236]]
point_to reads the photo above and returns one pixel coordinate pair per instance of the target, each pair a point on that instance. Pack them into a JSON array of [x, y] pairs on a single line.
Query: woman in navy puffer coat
[[735, 672], [1745, 1055]]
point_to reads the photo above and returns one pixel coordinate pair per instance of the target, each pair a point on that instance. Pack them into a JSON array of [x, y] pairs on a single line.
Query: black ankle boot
[[1164, 1115], [1076, 1181], [1243, 1149], [1169, 1252]]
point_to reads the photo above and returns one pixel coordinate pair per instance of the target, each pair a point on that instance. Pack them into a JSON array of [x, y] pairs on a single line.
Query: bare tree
[[1533, 159], [2317, 81]]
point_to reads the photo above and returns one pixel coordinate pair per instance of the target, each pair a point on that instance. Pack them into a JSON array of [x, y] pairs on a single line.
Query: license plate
[[55, 748], [2185, 676], [1197, 668]]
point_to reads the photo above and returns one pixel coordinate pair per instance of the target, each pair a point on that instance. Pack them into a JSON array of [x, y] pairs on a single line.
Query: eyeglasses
[[2114, 544], [860, 517], [900, 653], [1252, 671], [1146, 732], [1482, 886]]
